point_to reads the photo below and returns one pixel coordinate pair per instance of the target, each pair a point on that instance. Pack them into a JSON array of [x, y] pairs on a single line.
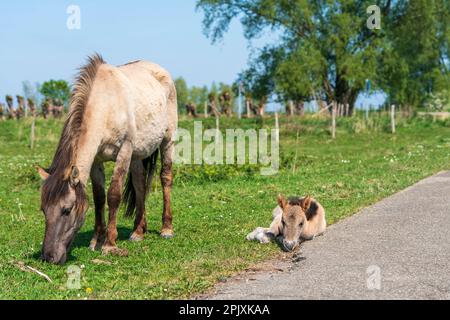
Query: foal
[[294, 220]]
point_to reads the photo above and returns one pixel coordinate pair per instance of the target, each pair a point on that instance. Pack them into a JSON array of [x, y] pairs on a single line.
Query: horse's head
[[293, 220], [64, 203]]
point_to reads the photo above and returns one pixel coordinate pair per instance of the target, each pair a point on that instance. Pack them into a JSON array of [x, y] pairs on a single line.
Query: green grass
[[214, 207]]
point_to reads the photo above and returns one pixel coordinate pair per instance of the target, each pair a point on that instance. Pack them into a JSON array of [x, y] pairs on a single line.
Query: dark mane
[[295, 201], [57, 185], [311, 212]]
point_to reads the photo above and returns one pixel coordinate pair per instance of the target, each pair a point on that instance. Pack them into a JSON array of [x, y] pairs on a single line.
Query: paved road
[[404, 238]]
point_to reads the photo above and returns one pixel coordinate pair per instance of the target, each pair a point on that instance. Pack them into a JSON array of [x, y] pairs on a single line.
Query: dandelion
[[89, 291]]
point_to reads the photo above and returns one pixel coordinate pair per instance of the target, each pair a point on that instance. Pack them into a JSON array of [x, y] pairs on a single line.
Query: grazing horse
[[294, 220], [123, 114]]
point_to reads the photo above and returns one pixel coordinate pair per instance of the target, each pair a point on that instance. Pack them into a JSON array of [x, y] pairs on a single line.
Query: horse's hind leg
[[98, 189], [166, 181], [115, 196], [138, 179]]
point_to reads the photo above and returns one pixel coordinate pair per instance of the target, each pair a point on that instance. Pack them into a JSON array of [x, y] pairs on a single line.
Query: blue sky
[[37, 45]]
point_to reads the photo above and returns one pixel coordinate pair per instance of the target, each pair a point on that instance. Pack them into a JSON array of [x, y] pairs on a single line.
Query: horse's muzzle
[[55, 258], [290, 245]]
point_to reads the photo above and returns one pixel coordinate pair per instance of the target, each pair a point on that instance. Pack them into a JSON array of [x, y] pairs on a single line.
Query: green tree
[[199, 96], [416, 62], [326, 42], [182, 92], [56, 90], [259, 79]]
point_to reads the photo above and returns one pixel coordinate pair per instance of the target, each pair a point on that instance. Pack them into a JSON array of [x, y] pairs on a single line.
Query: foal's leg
[[98, 189], [138, 179], [115, 196], [166, 181]]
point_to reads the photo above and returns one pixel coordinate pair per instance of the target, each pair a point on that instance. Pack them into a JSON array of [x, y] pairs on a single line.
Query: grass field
[[214, 207]]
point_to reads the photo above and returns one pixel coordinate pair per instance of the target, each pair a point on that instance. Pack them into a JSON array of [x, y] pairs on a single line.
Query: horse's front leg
[[167, 181], [115, 196], [98, 190]]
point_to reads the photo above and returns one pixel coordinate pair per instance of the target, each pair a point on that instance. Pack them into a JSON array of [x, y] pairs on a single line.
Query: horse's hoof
[[114, 251], [167, 234], [93, 245], [96, 244], [136, 237]]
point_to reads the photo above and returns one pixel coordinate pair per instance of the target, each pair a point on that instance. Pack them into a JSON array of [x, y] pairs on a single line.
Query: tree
[[226, 99], [416, 62], [182, 93], [198, 96], [259, 78], [56, 90], [327, 42]]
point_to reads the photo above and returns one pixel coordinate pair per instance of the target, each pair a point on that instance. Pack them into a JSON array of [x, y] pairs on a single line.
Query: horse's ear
[[42, 173], [74, 177], [282, 202], [306, 203]]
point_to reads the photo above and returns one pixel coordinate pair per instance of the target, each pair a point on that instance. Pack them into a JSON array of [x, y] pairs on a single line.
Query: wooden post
[[296, 152], [217, 124], [347, 110], [333, 120], [277, 127], [32, 135], [393, 118], [291, 108], [206, 109]]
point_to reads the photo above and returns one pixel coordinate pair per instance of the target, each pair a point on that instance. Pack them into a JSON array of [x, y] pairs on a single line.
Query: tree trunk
[[300, 108]]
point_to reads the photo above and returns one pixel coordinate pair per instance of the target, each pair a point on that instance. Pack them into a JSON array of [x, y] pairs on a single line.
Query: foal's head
[[293, 220], [64, 203]]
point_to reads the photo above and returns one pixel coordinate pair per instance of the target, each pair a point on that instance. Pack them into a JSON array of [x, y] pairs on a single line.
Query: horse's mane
[[56, 184]]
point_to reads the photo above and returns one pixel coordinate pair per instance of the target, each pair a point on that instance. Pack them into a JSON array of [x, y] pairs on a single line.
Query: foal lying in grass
[[294, 220]]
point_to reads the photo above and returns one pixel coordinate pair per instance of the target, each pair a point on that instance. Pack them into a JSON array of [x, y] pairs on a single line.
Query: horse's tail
[[129, 193]]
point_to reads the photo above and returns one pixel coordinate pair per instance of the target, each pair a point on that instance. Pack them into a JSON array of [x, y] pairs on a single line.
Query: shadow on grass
[[83, 239]]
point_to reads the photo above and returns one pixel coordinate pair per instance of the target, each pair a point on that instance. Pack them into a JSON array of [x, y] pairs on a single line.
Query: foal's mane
[[56, 185], [311, 212]]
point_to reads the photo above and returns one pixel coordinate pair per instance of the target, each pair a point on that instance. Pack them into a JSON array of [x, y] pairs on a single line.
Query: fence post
[[217, 125], [393, 118], [333, 120], [32, 135], [291, 108], [277, 127]]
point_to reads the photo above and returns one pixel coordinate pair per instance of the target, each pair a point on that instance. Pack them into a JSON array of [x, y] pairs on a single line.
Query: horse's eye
[[301, 224], [66, 211]]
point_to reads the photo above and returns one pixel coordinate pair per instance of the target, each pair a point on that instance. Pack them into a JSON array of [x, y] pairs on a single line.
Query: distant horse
[[122, 114], [294, 220]]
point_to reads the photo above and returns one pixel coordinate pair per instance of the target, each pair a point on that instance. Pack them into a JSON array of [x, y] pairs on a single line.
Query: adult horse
[[122, 114]]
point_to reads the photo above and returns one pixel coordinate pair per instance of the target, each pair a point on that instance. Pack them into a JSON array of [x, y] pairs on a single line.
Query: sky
[[37, 45]]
